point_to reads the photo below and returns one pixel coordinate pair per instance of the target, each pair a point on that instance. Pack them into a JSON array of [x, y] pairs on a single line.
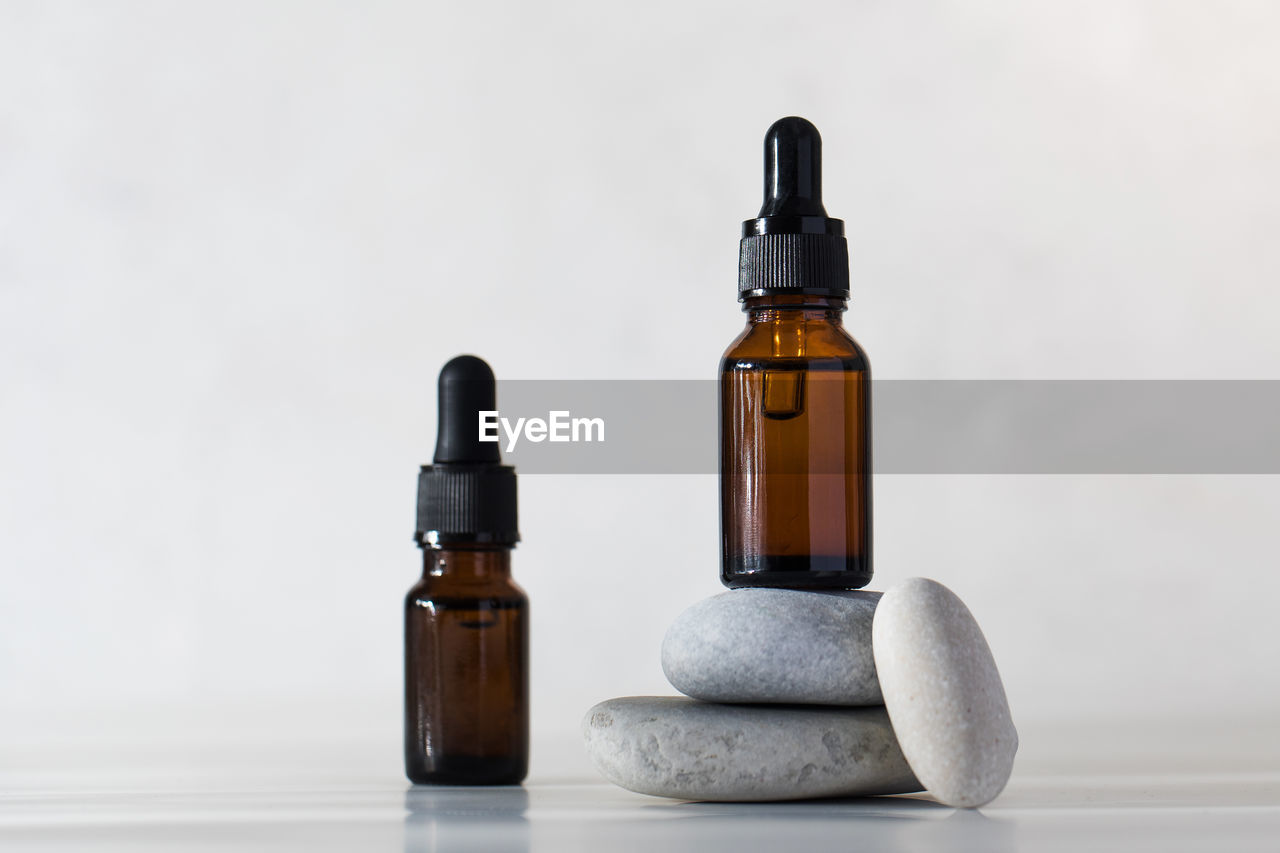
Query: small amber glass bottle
[[466, 622], [795, 392], [467, 670]]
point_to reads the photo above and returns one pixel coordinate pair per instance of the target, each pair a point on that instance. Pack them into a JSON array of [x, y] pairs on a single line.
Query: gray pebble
[[943, 693], [676, 747], [775, 645]]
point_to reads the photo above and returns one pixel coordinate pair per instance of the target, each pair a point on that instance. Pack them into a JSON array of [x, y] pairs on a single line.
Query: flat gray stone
[[670, 746], [775, 645], [943, 693]]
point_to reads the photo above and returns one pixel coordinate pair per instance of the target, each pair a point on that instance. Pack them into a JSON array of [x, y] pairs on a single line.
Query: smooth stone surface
[[775, 645], [670, 746], [943, 693]]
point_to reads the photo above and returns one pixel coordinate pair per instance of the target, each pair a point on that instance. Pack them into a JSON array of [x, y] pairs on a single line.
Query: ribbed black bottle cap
[[467, 496], [793, 246]]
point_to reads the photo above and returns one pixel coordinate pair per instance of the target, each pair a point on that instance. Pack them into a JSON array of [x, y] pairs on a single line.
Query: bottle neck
[[467, 562], [796, 307]]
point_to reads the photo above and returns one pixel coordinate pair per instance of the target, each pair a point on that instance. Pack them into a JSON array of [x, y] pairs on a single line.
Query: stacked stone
[[794, 694]]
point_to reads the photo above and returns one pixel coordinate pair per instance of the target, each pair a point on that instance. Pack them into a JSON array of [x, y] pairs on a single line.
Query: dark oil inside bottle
[[795, 473], [466, 702]]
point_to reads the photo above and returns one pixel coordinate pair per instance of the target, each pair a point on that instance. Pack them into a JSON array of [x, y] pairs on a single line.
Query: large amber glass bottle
[[795, 392]]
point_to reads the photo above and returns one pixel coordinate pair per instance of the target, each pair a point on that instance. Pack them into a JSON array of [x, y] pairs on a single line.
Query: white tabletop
[[263, 797]]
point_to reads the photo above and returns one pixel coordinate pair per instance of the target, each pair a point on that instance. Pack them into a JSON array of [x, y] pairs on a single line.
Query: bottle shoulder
[[817, 345], [434, 588], [737, 343]]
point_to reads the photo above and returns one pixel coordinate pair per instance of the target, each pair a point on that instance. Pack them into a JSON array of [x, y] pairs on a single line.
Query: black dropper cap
[[467, 496], [793, 246]]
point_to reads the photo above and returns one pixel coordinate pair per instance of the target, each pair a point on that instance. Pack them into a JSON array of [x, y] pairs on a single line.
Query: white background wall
[[238, 239]]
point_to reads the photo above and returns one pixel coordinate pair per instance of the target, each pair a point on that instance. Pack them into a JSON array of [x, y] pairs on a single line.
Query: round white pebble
[[943, 693], [668, 746], [775, 645]]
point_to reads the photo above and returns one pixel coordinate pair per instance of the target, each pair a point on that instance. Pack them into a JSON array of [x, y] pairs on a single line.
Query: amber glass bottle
[[466, 635], [467, 670], [795, 392]]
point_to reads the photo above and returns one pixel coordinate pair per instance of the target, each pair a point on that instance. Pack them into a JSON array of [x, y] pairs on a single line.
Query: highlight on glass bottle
[[795, 392], [466, 621]]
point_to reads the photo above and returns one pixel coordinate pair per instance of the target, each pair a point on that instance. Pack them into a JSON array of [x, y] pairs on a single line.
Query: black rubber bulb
[[466, 388], [792, 169]]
